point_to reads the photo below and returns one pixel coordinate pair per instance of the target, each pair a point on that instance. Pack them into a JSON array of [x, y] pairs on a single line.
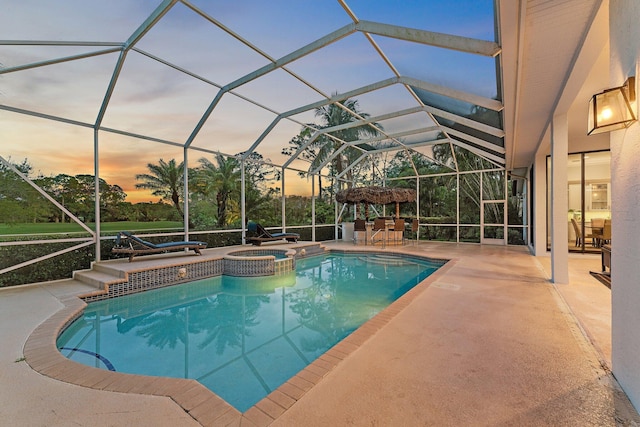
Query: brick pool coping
[[42, 355]]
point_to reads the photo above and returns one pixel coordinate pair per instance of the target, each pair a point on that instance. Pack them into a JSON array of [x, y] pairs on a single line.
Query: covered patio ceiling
[[248, 77], [555, 57]]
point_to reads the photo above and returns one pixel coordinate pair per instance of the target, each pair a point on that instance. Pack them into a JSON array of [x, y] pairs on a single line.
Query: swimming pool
[[241, 337]]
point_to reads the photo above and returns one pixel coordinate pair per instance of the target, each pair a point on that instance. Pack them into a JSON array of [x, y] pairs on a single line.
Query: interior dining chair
[[579, 237], [605, 237], [597, 228]]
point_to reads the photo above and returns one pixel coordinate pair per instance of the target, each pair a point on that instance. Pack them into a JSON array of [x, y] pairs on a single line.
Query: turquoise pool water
[[241, 337]]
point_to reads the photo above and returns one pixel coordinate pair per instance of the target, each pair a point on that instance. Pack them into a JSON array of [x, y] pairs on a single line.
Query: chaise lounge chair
[[264, 236], [136, 246]]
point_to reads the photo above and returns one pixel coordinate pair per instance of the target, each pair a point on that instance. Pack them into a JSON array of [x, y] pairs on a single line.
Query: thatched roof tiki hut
[[377, 195]]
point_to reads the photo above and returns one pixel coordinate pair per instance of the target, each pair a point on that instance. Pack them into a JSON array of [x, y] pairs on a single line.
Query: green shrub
[[58, 267], [62, 266]]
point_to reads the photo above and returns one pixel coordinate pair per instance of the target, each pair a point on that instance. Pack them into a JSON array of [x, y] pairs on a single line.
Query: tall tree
[[257, 193], [77, 193], [221, 179], [164, 179], [324, 146], [493, 183], [343, 113], [308, 154], [19, 202]]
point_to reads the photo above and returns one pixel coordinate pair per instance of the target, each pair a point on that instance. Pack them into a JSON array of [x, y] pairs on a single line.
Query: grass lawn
[[106, 227]]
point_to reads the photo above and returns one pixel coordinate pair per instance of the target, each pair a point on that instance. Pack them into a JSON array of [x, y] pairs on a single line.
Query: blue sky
[[153, 99]]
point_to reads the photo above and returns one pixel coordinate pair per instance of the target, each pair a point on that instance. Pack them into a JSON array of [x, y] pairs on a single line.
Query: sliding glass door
[[589, 188]]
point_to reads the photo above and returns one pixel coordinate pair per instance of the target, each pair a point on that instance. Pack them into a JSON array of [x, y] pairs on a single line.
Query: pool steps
[[386, 260], [114, 278], [100, 275]]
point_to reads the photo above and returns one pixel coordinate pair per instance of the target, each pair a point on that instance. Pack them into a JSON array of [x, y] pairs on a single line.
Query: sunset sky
[[153, 99]]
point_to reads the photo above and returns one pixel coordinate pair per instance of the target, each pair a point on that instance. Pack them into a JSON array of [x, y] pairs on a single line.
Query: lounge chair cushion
[[138, 246], [265, 236]]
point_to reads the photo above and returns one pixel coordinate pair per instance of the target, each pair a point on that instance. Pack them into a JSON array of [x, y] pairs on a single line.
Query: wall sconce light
[[611, 110]]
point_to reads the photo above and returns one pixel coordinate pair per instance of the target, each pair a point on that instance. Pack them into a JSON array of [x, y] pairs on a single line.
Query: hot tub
[[259, 262]]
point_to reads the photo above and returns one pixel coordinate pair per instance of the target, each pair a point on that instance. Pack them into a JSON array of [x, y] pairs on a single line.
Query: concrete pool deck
[[489, 342]]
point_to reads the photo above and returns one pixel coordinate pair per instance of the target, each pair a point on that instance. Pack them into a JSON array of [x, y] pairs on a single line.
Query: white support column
[[313, 208], [526, 213], [284, 215], [243, 209], [559, 199], [336, 214], [96, 172], [458, 208], [185, 192], [418, 208], [505, 225], [540, 203]]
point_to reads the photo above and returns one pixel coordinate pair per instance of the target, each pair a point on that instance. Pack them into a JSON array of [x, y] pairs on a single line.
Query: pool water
[[241, 337]]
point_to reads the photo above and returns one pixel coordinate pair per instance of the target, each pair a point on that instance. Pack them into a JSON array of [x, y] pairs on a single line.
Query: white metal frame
[[486, 150]]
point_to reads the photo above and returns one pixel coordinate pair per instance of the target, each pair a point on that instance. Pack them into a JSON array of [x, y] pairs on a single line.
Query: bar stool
[[359, 227], [379, 228]]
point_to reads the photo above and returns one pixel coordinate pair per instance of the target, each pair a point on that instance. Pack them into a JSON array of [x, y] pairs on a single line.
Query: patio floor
[[489, 342]]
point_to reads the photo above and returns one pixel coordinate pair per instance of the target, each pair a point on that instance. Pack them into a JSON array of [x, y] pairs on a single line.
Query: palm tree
[[165, 180], [222, 179], [323, 147], [339, 114]]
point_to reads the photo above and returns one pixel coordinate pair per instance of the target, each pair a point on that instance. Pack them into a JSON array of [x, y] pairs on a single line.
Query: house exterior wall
[[625, 180]]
